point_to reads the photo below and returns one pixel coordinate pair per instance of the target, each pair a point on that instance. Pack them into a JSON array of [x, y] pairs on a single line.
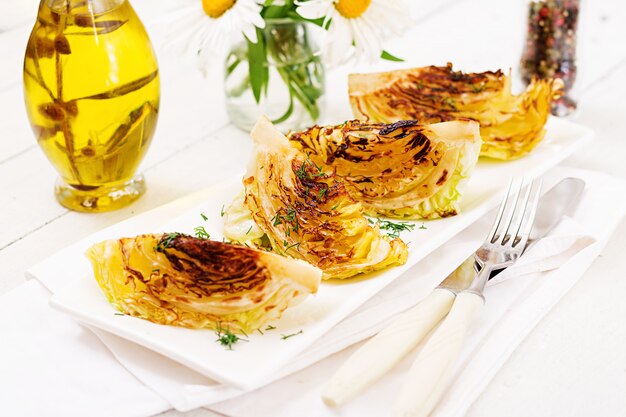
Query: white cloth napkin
[[75, 376], [52, 366]]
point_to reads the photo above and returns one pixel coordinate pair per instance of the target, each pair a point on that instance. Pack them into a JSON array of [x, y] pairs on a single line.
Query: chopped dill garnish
[[322, 193], [270, 327], [166, 241], [291, 217], [285, 337], [260, 331], [201, 233], [222, 211], [288, 219], [249, 230], [301, 172], [155, 271], [450, 102], [119, 314], [334, 207], [478, 88], [423, 227], [287, 246], [393, 229], [304, 175], [227, 338], [204, 217], [320, 171]]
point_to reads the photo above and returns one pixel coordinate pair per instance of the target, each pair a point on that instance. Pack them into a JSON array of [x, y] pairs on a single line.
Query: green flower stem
[[299, 84], [296, 60], [233, 66], [287, 113]]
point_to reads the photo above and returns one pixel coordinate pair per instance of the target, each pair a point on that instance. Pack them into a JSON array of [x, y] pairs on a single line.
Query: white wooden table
[[572, 364]]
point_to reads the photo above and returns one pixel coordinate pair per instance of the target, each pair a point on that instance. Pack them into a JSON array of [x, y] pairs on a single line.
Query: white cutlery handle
[[387, 348], [429, 375]]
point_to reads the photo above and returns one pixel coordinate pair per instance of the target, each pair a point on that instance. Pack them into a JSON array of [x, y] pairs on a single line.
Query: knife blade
[[376, 357]]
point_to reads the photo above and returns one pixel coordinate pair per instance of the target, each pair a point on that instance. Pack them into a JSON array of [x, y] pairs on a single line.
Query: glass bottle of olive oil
[[91, 86]]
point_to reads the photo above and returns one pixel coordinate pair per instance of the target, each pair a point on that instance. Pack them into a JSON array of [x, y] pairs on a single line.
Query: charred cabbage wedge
[[511, 126], [307, 212], [189, 282], [400, 170]]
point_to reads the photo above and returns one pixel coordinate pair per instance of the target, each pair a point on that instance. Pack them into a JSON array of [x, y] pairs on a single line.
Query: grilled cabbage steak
[[511, 126], [184, 281], [400, 170], [307, 213]]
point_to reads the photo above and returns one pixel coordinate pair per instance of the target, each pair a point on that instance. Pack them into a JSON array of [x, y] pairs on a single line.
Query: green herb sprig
[[201, 233], [393, 229], [450, 102], [227, 338], [287, 246], [288, 218], [166, 241], [287, 336], [303, 173], [478, 88]]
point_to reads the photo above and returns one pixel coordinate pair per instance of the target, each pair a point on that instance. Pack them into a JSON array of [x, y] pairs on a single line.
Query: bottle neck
[[92, 7]]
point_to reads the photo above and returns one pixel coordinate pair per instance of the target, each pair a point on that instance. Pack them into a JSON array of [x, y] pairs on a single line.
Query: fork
[[433, 367]]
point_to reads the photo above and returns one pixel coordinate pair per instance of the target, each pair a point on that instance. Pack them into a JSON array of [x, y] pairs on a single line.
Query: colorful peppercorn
[[550, 49]]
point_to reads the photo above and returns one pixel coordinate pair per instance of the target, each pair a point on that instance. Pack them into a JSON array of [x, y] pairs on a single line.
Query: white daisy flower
[[209, 27], [357, 27]]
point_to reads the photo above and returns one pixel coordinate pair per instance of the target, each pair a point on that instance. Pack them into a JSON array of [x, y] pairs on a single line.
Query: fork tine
[[498, 220], [525, 227], [521, 205], [502, 251], [501, 237]]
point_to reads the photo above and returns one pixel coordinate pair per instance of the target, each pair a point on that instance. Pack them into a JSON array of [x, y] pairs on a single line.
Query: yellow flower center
[[352, 8], [216, 8]]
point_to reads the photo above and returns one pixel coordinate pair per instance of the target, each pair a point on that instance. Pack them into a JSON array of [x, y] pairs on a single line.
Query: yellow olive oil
[[91, 87]]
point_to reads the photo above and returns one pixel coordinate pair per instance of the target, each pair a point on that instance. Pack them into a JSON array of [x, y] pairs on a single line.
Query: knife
[[376, 357]]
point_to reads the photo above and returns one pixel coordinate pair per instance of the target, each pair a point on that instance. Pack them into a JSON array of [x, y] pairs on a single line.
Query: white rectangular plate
[[252, 362]]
